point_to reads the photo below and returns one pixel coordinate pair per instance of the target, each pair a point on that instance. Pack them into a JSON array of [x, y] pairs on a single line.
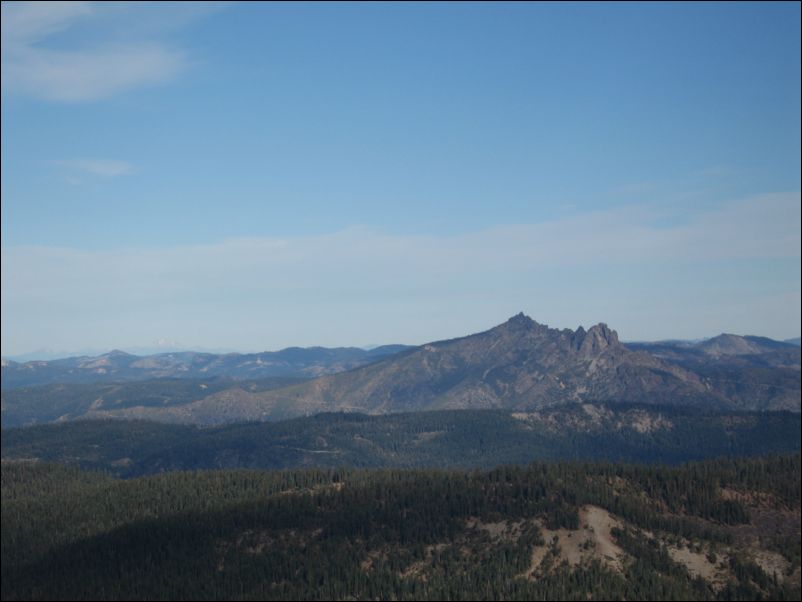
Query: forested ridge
[[542, 531], [445, 439]]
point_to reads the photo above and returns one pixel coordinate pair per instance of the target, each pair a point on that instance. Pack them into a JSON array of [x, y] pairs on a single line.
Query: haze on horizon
[[255, 176]]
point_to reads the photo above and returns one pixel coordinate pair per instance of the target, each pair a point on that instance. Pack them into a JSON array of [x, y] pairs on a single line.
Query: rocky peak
[[577, 338], [598, 338], [520, 321], [520, 318]]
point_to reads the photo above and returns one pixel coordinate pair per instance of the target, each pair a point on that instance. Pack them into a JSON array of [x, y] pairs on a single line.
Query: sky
[[251, 176]]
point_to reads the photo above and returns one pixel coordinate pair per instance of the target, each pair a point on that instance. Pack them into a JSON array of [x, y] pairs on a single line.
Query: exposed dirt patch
[[593, 540], [753, 499], [772, 562], [372, 557], [418, 569], [600, 522], [597, 414], [428, 436], [699, 565], [506, 530], [643, 422]]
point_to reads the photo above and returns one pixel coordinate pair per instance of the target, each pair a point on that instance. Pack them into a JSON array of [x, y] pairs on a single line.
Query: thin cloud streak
[[108, 168], [762, 227], [261, 281]]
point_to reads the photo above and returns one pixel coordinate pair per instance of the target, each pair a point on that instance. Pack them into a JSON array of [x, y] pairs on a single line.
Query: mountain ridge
[[120, 366], [518, 365]]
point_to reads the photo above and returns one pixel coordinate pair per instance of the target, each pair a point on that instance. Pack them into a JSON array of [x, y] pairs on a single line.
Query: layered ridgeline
[[119, 366], [751, 372], [519, 365], [719, 530]]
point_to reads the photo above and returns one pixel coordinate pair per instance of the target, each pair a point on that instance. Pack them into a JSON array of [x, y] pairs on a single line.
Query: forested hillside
[[446, 439], [60, 402], [726, 529]]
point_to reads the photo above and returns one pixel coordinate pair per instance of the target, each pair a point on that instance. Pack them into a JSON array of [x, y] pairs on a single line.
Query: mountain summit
[[519, 364]]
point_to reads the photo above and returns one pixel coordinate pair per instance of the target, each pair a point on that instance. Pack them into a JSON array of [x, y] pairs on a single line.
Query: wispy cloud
[[32, 68], [28, 22], [614, 266], [106, 168], [764, 227], [716, 171], [85, 76]]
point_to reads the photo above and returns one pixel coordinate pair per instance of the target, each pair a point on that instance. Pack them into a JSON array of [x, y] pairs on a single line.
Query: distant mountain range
[[119, 366], [519, 365]]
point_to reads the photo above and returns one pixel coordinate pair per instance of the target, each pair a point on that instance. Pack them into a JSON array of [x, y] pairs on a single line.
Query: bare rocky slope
[[520, 365]]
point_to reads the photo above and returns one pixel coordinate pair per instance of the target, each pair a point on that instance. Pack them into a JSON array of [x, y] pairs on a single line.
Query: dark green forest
[[337, 533], [444, 439]]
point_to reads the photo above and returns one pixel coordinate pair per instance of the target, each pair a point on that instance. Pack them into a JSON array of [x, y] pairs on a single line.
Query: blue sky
[[251, 176]]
